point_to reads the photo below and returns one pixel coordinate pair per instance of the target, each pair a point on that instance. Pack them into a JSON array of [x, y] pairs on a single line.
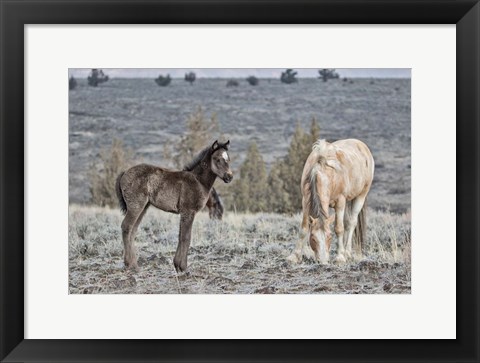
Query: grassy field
[[243, 254]]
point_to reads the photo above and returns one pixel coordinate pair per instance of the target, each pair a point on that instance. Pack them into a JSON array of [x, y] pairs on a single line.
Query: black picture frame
[[15, 14]]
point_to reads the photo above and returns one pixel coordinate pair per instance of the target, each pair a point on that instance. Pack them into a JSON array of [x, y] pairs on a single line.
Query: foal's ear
[[215, 145], [226, 145]]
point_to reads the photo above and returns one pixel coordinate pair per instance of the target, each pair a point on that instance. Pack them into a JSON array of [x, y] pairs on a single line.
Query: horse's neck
[[204, 175]]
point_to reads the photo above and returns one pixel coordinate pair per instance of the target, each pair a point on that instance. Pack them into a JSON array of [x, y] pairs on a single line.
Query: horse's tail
[[360, 233], [121, 199]]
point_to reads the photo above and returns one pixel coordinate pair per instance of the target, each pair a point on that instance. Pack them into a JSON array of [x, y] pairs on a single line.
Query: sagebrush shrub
[[104, 172]]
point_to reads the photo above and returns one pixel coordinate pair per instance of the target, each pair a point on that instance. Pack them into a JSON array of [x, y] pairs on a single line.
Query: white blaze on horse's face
[[323, 253], [225, 156], [320, 238]]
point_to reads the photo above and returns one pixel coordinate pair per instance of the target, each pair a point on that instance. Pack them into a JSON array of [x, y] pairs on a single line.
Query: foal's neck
[[204, 174]]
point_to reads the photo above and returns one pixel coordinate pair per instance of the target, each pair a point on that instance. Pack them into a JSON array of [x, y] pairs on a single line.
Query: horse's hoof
[[180, 267], [309, 254], [293, 259], [131, 267], [340, 260], [348, 255]]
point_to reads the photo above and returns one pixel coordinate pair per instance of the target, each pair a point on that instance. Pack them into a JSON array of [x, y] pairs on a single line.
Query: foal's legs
[[137, 223], [351, 222], [185, 235], [339, 230], [134, 211]]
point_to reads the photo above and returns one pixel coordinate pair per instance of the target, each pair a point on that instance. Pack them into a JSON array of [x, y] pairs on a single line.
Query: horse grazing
[[215, 205], [181, 192], [337, 175]]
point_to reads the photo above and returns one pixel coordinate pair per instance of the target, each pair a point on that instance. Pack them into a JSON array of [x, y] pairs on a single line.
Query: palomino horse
[[336, 175], [181, 192]]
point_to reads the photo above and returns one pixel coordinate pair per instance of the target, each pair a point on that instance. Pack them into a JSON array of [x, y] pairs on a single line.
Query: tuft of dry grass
[[243, 254]]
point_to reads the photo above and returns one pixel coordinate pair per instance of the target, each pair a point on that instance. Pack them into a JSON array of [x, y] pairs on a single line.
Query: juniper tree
[[239, 199], [252, 81], [289, 76], [314, 131], [72, 83], [285, 176], [96, 77], [327, 73], [277, 197], [163, 81], [250, 187], [200, 131], [190, 77], [291, 171]]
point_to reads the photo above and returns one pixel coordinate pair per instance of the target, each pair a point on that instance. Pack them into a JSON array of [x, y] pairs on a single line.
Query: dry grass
[[243, 254]]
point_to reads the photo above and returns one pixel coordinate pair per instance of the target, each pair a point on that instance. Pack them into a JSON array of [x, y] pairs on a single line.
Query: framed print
[[147, 81]]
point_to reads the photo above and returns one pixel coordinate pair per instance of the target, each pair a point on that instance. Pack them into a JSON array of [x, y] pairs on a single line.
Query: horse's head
[[221, 161], [320, 237]]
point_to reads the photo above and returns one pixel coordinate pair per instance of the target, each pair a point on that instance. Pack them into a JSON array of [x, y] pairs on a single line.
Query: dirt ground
[[244, 254]]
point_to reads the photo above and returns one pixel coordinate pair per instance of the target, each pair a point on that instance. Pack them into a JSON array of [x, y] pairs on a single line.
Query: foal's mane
[[196, 160]]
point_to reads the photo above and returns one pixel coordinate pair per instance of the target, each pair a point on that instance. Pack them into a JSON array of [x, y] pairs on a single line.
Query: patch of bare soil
[[254, 272]]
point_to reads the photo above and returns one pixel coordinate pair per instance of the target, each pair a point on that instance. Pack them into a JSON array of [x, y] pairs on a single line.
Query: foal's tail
[[121, 199], [360, 232]]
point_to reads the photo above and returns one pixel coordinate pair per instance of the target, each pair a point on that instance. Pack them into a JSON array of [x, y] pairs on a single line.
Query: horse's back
[[142, 174], [353, 146], [148, 181], [348, 164], [136, 176], [356, 160]]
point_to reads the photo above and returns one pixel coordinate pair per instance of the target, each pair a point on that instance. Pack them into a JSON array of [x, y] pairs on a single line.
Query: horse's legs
[[300, 249], [339, 230], [128, 225], [185, 235], [137, 223], [351, 222]]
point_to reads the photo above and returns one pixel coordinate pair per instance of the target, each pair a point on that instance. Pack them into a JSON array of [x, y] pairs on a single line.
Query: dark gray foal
[[181, 192]]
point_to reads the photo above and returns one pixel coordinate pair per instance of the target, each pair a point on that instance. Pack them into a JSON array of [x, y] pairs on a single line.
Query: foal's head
[[220, 163], [320, 237]]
